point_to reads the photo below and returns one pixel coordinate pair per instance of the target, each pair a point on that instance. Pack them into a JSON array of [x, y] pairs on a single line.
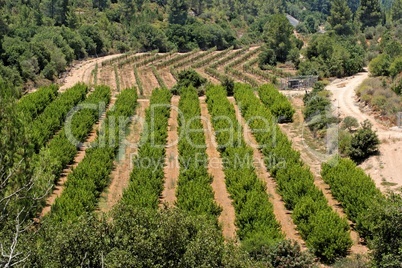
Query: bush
[[350, 122], [379, 65], [188, 78], [228, 84], [396, 67], [279, 105], [364, 143]]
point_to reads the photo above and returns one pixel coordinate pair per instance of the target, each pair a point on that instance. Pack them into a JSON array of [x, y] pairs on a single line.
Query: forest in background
[[40, 39]]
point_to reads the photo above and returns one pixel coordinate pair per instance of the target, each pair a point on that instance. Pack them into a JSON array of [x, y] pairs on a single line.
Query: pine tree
[[341, 17], [178, 11], [369, 13], [396, 10]]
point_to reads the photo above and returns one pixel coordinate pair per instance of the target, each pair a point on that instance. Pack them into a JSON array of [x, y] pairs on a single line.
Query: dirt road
[[82, 71], [385, 169]]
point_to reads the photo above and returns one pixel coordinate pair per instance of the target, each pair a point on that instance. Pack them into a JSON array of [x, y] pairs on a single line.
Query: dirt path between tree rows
[[282, 215], [120, 176], [60, 185], [172, 166], [149, 80], [215, 169], [384, 169], [167, 77], [294, 132]]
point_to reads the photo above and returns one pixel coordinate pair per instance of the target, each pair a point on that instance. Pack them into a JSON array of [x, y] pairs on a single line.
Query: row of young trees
[[212, 58], [146, 179], [277, 103], [32, 105], [197, 58], [49, 163], [325, 233], [194, 190], [87, 181], [355, 190], [255, 220], [52, 118]]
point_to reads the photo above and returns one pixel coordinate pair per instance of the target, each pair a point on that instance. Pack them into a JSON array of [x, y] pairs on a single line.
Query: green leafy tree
[[364, 142], [380, 65], [277, 33], [178, 10], [369, 13], [387, 232], [350, 122], [341, 17], [396, 11]]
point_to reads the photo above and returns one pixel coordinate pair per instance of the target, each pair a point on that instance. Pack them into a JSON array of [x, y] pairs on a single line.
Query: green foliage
[[331, 55], [188, 78], [277, 33], [364, 142], [284, 254], [278, 104], [379, 66], [229, 85], [326, 234], [178, 11], [341, 17], [369, 13], [146, 179], [396, 67], [387, 235], [194, 192], [48, 164], [32, 105], [87, 181], [52, 118], [257, 226], [134, 238], [355, 190], [350, 122]]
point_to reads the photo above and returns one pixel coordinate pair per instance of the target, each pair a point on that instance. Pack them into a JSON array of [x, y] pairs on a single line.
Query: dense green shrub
[[279, 105], [355, 190], [31, 105]]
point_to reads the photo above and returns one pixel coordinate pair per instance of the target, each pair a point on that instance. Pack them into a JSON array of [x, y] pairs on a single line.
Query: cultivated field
[[277, 192]]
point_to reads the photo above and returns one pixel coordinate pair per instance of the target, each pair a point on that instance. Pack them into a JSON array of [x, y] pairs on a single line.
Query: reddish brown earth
[[167, 77], [215, 169], [149, 81], [172, 166]]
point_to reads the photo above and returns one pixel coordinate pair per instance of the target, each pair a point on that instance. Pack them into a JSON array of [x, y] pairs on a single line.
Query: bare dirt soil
[[282, 215], [172, 166], [385, 168], [149, 81], [167, 77], [127, 79], [82, 71], [60, 185], [215, 169]]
